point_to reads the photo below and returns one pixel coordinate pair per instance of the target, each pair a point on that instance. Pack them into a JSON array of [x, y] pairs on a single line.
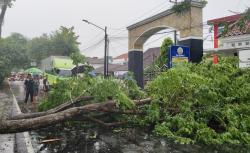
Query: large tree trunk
[[3, 11], [54, 110], [21, 125]]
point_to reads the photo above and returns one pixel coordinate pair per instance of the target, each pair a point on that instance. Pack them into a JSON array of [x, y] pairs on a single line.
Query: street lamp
[[105, 71]]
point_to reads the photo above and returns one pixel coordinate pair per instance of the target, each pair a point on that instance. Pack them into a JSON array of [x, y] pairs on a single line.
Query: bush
[[203, 103], [101, 89]]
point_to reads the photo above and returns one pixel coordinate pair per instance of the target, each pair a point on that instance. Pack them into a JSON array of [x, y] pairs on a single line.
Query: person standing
[[36, 86], [45, 84], [29, 88]]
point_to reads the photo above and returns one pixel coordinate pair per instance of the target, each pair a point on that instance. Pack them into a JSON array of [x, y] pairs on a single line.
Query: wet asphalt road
[[23, 142], [19, 92]]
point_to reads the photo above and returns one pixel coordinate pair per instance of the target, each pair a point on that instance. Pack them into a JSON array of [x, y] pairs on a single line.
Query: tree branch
[[62, 107], [106, 125], [21, 125]]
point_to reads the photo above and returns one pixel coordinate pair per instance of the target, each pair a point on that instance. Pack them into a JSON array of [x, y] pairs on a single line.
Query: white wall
[[244, 57]]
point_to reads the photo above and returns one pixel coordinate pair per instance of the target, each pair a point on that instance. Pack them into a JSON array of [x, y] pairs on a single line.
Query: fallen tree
[[190, 104], [27, 122], [76, 100], [62, 107]]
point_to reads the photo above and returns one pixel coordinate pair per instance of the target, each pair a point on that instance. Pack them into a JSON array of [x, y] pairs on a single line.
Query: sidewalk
[[10, 143], [7, 141]]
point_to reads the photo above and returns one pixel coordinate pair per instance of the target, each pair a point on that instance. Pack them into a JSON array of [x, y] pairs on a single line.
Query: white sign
[[244, 59]]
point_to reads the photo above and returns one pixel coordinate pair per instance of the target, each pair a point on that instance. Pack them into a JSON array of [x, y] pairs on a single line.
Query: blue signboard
[[178, 54]]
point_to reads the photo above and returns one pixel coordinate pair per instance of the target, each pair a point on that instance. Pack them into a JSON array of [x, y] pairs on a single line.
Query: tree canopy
[[62, 42], [159, 64], [13, 54], [39, 47], [167, 42], [17, 51], [78, 58]]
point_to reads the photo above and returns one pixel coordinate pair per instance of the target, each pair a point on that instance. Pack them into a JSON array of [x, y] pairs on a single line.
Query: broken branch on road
[[62, 113]]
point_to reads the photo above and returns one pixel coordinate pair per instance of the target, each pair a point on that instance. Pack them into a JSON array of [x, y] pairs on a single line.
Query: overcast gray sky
[[35, 17]]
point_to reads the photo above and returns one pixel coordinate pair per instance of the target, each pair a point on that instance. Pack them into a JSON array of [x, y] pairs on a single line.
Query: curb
[[7, 141], [22, 140]]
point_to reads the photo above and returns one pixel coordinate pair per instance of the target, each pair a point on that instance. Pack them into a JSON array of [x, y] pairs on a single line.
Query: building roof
[[231, 18], [148, 58], [122, 56], [95, 60], [237, 31], [113, 68], [234, 30]]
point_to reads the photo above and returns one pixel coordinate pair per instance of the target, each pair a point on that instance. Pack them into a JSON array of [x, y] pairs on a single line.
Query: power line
[[137, 18], [114, 47], [121, 44], [151, 10], [117, 37], [117, 29], [94, 38], [146, 13], [94, 45], [147, 44]]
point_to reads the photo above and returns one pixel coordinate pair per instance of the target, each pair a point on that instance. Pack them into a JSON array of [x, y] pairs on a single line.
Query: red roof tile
[[231, 18], [123, 56], [237, 31]]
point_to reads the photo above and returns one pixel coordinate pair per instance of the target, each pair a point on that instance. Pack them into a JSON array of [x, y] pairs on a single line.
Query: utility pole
[[105, 53], [107, 56], [105, 66], [175, 37]]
